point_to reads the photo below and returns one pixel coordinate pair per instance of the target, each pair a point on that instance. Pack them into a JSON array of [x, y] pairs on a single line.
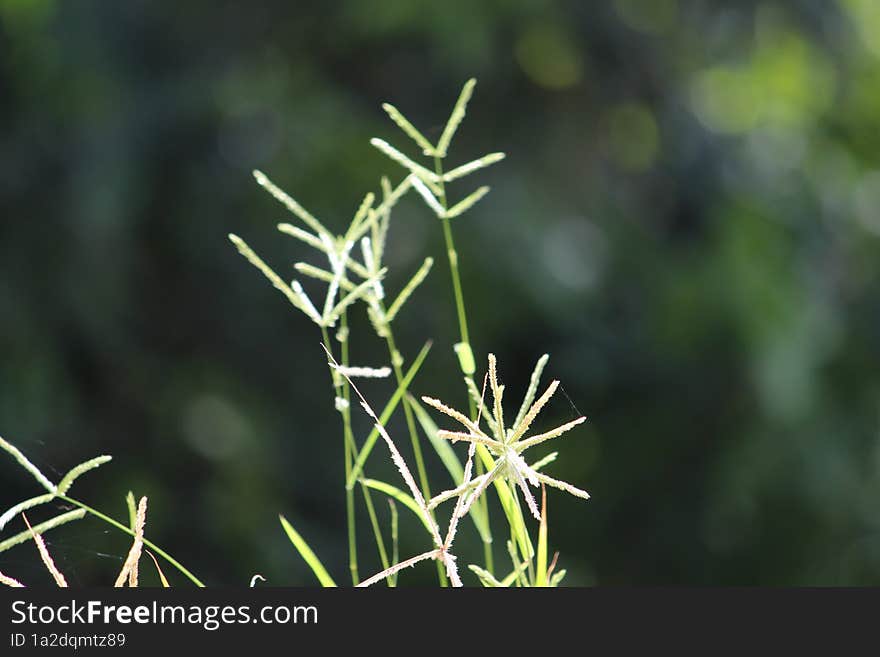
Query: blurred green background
[[687, 221]]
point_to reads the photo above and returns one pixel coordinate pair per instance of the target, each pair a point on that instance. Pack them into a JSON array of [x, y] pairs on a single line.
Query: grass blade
[[404, 498], [541, 566], [162, 578], [306, 553]]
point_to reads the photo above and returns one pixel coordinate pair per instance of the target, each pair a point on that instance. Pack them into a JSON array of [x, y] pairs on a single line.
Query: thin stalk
[[342, 391], [413, 434], [155, 548], [452, 256], [380, 543]]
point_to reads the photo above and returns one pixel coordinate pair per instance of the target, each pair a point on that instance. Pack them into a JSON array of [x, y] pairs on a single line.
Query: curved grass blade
[[162, 578], [404, 498], [306, 553]]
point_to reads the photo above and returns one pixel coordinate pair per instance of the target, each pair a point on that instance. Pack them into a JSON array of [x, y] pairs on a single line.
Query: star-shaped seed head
[[506, 444]]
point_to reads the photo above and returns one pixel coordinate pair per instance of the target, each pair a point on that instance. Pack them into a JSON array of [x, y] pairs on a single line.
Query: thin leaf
[[441, 447], [399, 495], [374, 522], [541, 564], [68, 479], [557, 577], [455, 118], [306, 553], [395, 547], [486, 578], [162, 578]]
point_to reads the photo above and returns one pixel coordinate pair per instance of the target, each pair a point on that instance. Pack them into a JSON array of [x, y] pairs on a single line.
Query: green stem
[[377, 533], [396, 364], [452, 256], [155, 548], [343, 392]]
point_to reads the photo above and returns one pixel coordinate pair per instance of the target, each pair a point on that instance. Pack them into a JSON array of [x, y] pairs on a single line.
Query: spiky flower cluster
[[506, 444]]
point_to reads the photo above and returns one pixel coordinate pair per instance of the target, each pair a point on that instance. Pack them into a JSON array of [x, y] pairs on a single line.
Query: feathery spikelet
[[364, 372], [130, 567], [407, 291], [455, 118], [429, 197], [57, 521], [13, 511], [466, 203], [289, 203], [27, 465], [68, 479], [45, 556], [408, 128], [10, 582]]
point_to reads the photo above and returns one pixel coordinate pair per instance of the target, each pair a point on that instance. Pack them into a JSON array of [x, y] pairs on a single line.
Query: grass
[[351, 267]]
